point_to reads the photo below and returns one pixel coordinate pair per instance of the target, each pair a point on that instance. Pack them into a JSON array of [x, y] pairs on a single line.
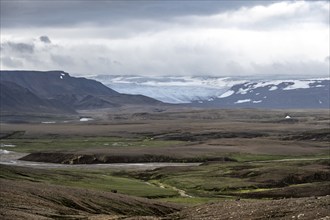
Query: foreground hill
[[52, 201], [59, 202], [37, 91]]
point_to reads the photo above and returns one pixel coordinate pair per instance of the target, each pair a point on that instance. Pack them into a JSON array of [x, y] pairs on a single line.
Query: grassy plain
[[247, 154]]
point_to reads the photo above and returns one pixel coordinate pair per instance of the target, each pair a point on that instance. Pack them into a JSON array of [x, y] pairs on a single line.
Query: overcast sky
[[219, 38]]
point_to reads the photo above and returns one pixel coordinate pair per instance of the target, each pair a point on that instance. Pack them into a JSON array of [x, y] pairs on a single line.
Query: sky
[[157, 38]]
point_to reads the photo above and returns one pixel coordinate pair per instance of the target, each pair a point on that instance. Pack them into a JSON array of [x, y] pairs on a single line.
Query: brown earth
[[303, 208], [205, 133], [33, 200]]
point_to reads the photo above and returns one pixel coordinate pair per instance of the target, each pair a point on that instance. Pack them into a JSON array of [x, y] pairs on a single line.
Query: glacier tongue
[[189, 89], [171, 89]]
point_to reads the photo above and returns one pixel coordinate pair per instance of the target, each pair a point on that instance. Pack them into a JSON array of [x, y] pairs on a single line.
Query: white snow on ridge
[[242, 91], [227, 94], [299, 84], [242, 101], [86, 119], [48, 122], [62, 75], [273, 88], [259, 101]]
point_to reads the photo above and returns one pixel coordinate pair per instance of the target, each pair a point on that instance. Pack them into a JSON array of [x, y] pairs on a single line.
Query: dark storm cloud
[[45, 39], [20, 13]]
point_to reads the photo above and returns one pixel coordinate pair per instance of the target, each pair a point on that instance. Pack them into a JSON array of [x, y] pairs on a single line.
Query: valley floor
[[246, 164]]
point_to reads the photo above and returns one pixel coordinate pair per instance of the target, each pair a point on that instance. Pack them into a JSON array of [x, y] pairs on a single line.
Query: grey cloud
[[11, 62], [45, 39], [132, 42], [61, 60], [308, 68], [68, 13], [19, 47]]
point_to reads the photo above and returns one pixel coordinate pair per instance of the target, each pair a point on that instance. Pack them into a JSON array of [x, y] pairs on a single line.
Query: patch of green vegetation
[[245, 157], [97, 179], [237, 178], [253, 190], [74, 144]]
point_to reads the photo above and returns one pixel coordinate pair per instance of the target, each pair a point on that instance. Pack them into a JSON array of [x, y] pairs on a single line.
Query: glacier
[[201, 89]]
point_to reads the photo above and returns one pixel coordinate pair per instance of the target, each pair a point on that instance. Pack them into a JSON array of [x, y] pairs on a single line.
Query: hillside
[[15, 98], [57, 91]]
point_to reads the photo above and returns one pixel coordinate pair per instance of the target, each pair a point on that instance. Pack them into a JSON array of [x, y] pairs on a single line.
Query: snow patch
[[242, 91], [7, 145], [257, 101], [4, 151], [242, 101], [227, 94], [61, 77], [299, 84], [48, 122], [273, 88], [287, 117], [86, 119]]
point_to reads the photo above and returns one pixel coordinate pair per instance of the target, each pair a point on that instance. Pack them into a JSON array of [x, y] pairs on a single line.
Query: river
[[12, 158]]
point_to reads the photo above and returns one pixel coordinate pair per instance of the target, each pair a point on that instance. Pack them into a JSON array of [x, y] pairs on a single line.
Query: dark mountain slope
[[15, 98], [54, 83], [75, 93]]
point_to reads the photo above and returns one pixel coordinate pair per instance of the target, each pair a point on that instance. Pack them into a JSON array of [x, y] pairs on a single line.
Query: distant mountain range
[[58, 92], [228, 92], [274, 94]]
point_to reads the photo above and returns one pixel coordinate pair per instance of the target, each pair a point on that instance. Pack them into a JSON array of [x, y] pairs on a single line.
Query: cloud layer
[[287, 38]]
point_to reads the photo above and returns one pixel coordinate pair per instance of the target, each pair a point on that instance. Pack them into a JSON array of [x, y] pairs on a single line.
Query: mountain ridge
[[57, 91]]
